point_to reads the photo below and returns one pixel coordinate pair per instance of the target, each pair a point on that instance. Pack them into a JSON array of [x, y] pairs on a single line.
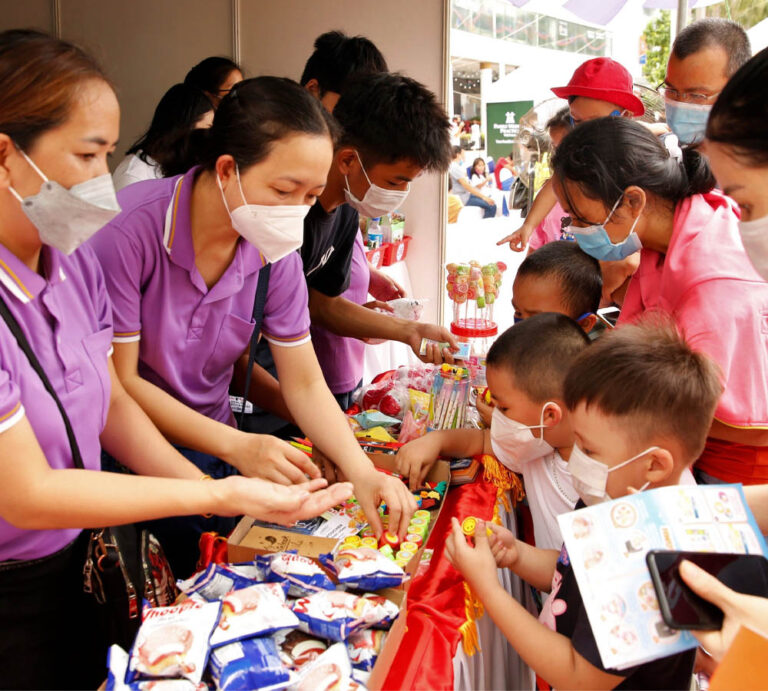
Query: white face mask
[[275, 230], [377, 201], [514, 444], [66, 218], [754, 237], [590, 477]]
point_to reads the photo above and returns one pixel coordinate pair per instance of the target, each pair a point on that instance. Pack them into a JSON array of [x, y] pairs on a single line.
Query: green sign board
[[502, 123]]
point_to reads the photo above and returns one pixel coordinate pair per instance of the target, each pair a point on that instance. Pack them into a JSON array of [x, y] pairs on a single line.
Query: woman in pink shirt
[[59, 120], [626, 191]]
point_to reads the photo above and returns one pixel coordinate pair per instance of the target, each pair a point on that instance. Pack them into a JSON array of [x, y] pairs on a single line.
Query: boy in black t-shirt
[[641, 405]]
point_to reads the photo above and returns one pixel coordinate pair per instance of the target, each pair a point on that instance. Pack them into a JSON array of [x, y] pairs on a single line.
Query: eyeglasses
[[686, 96]]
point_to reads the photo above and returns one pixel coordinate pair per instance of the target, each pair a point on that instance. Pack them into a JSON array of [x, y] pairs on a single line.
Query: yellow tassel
[[473, 609]]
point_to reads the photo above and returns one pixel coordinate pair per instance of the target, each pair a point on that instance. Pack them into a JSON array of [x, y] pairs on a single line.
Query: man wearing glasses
[[704, 56]]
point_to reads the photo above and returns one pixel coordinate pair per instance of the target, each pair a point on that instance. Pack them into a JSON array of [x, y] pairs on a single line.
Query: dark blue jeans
[[180, 535], [489, 210]]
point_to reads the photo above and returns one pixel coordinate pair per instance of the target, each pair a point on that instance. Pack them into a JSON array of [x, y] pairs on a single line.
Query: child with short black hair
[[641, 403], [558, 277], [530, 431]]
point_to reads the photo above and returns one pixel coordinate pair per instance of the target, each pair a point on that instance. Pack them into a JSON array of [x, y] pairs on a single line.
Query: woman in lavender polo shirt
[[182, 263], [58, 121]]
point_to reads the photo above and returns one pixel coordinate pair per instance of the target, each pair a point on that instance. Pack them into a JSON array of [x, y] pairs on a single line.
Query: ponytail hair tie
[[673, 147]]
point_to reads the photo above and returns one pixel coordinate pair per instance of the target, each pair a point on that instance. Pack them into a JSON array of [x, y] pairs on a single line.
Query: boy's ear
[[588, 323], [347, 161], [553, 414], [661, 466], [313, 86]]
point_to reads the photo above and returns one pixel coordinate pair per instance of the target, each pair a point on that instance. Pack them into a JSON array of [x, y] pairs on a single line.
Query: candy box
[[247, 540]]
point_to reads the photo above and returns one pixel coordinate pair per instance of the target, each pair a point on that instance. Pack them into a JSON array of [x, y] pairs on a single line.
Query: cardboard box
[[248, 540]]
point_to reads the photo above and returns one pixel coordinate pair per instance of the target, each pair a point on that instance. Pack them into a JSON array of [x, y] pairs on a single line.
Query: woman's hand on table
[[474, 563], [372, 488], [503, 545], [416, 458], [267, 501], [739, 610], [270, 458]]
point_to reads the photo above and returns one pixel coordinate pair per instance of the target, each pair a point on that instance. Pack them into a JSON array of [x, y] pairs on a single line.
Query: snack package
[[375, 418], [407, 308], [117, 666], [214, 582], [363, 568], [255, 611], [173, 641], [331, 671], [250, 664], [364, 647], [301, 573], [297, 648], [336, 614]]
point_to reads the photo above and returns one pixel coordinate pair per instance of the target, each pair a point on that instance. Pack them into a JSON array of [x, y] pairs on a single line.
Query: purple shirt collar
[[23, 283]]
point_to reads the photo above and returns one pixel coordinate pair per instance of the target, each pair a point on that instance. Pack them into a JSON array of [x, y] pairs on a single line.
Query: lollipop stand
[[473, 289]]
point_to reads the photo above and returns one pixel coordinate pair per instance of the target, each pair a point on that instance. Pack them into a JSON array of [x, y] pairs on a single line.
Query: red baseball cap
[[605, 80]]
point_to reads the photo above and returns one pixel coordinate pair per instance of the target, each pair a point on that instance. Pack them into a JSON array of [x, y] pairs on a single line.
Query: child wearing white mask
[[530, 431], [641, 403]]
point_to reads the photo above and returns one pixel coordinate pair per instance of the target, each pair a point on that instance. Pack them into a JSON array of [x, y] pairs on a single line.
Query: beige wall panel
[[277, 39], [147, 46], [26, 14]]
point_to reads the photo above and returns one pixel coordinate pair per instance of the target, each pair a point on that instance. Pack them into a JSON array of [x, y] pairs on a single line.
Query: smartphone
[[680, 607]]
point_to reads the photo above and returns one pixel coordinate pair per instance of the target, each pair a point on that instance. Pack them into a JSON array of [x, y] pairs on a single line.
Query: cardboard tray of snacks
[[248, 540]]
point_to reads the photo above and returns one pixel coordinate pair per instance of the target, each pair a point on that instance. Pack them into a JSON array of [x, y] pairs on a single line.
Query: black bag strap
[[258, 316], [21, 339]]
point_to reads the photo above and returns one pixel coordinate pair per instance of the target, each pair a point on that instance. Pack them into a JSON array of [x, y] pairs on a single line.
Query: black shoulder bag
[[124, 563], [260, 300]]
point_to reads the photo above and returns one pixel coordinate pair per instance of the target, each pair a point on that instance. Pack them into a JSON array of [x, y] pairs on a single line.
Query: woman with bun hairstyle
[[59, 120], [182, 264], [624, 191]]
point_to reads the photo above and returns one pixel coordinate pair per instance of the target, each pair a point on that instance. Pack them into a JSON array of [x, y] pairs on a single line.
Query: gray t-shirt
[[457, 171]]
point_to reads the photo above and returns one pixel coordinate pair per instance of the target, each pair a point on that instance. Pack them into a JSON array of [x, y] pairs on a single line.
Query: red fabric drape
[[436, 600]]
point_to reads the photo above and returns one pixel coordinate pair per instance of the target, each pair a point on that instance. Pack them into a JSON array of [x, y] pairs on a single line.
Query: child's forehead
[[503, 384]]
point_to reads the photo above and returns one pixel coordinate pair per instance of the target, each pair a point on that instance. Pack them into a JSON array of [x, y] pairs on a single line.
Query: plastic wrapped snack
[[407, 308], [173, 641], [331, 671], [215, 581], [250, 664], [364, 647], [255, 611], [336, 615], [117, 668], [298, 648], [303, 575], [364, 568]]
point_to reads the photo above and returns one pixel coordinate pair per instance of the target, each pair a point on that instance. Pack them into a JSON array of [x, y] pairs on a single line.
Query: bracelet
[[206, 477]]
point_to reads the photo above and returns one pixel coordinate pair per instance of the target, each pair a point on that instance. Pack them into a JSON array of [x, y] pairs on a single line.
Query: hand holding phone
[[681, 607]]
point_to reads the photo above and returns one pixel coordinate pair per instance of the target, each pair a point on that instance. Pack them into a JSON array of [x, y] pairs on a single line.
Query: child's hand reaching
[[477, 563], [416, 458], [503, 546]]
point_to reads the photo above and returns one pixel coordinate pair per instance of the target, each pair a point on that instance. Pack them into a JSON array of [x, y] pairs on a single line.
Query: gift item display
[[253, 637], [473, 289]]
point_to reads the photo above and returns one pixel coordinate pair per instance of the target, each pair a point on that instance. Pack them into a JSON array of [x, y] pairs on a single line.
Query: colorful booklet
[[607, 544]]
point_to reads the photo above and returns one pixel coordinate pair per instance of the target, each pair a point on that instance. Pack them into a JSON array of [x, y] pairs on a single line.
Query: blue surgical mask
[[596, 243], [687, 120]]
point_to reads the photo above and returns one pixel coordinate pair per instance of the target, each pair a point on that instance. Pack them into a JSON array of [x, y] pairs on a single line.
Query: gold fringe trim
[[508, 486]]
